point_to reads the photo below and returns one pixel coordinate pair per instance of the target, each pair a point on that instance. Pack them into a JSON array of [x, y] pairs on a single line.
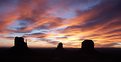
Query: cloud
[[65, 21]]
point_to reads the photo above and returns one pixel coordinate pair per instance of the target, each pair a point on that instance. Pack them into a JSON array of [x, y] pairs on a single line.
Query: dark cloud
[[48, 20]]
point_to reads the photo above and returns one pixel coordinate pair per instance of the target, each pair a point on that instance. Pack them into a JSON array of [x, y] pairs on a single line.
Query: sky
[[45, 23]]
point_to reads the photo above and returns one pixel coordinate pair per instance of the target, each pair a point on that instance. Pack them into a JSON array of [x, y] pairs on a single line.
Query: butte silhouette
[[20, 46]]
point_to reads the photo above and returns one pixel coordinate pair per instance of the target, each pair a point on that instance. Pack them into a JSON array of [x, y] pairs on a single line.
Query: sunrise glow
[[45, 23]]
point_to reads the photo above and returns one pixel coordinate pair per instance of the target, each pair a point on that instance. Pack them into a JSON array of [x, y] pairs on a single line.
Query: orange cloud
[[100, 23]]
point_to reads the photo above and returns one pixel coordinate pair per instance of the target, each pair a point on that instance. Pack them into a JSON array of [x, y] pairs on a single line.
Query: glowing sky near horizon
[[45, 23]]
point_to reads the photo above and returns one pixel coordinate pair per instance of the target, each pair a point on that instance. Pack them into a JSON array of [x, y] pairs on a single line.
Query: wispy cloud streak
[[45, 23]]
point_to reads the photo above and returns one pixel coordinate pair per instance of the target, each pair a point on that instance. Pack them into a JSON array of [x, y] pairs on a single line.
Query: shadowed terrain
[[87, 53], [69, 54]]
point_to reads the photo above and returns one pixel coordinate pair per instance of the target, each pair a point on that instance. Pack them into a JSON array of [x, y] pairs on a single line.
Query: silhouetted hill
[[86, 53]]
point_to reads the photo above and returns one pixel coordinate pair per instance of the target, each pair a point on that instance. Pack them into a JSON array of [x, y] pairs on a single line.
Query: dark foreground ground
[[66, 55]]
